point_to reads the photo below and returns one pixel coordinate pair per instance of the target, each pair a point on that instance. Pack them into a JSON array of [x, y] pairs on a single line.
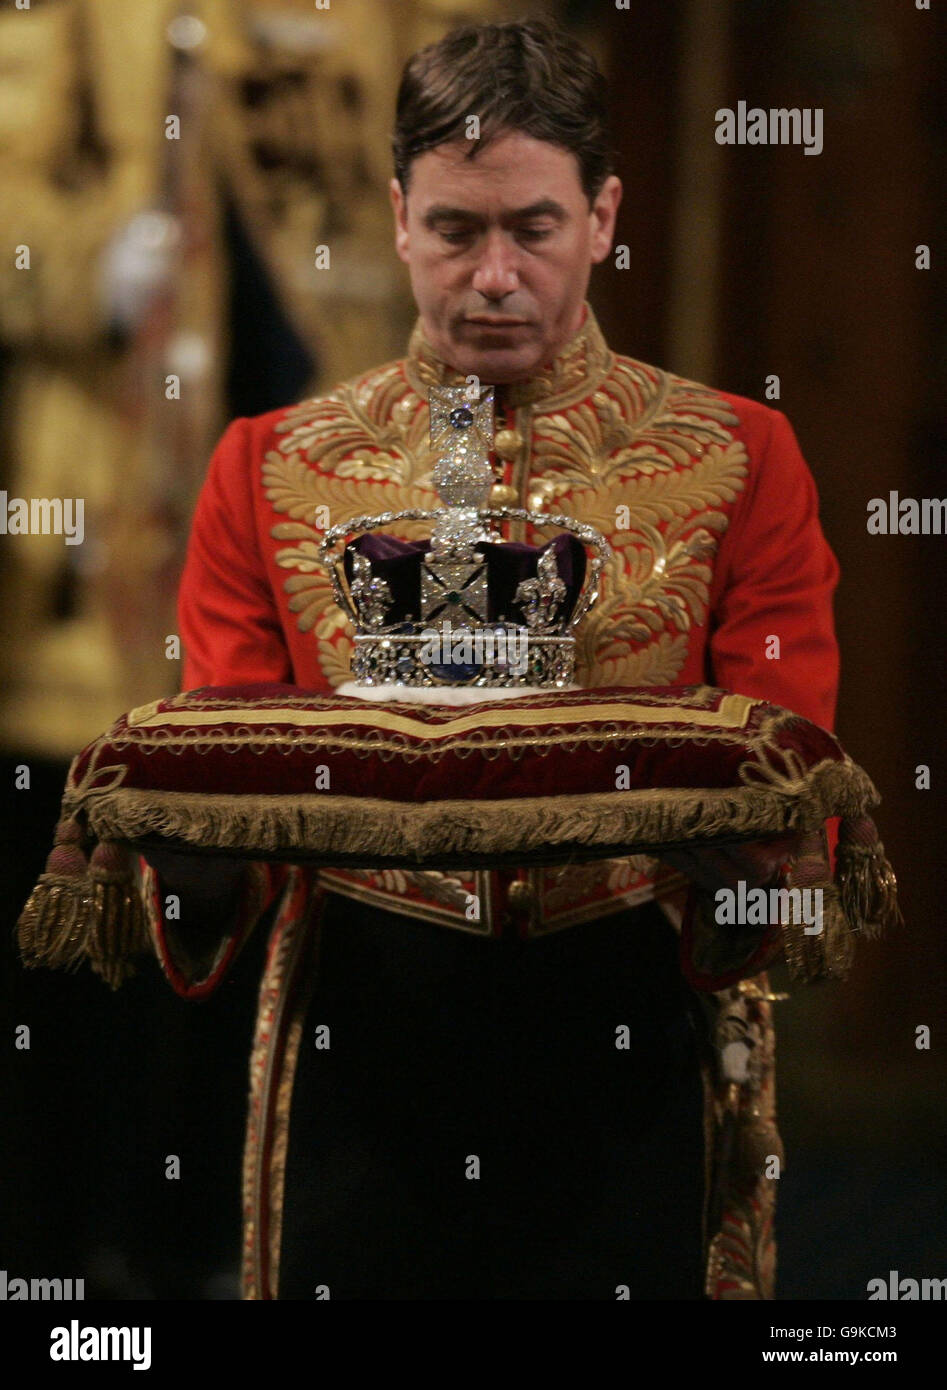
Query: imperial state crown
[[464, 607]]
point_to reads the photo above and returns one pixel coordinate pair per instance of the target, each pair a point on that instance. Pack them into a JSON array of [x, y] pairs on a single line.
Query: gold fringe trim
[[324, 827], [80, 912]]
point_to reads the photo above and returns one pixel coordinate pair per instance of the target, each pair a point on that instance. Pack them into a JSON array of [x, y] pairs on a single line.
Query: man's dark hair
[[524, 75]]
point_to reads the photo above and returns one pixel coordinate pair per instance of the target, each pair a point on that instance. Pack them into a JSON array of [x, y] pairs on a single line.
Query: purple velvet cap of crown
[[398, 563]]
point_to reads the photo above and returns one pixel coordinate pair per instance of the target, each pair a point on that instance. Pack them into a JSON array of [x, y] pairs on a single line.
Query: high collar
[[574, 373]]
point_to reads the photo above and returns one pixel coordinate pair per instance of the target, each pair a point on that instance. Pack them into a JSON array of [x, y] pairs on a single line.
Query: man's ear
[[399, 204], [603, 214]]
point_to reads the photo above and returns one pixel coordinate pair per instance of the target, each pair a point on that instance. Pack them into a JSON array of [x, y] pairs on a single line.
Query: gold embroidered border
[[375, 894], [284, 995], [374, 744], [741, 1251], [605, 907], [238, 737], [696, 697], [733, 713]]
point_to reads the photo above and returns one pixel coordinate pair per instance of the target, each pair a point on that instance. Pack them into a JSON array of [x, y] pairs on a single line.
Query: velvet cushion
[[274, 771]]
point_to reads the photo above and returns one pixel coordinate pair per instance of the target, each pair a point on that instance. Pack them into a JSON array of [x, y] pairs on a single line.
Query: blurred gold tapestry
[[126, 131]]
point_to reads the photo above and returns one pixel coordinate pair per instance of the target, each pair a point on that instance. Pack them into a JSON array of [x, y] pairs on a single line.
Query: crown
[[464, 607]]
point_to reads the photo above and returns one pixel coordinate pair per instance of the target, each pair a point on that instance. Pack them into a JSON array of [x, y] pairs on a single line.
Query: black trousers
[[473, 1130]]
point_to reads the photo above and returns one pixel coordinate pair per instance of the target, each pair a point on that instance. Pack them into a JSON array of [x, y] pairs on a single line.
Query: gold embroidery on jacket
[[368, 442], [446, 899], [375, 428], [615, 433], [657, 585], [639, 420]]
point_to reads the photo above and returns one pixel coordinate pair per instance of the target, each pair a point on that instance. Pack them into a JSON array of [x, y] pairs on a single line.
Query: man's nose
[[496, 274]]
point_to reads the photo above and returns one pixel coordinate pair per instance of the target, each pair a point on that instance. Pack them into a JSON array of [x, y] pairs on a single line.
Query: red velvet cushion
[[277, 772]]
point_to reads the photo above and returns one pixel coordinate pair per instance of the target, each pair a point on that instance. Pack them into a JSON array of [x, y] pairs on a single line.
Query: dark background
[[744, 262]]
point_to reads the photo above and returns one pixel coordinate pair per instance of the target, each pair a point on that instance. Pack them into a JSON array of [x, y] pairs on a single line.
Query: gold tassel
[[866, 881], [80, 912], [51, 930], [827, 954], [117, 928]]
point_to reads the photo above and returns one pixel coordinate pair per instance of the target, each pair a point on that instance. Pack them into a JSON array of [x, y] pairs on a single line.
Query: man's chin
[[497, 364]]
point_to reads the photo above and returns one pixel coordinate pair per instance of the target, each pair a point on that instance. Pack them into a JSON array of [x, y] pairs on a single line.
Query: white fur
[[440, 694]]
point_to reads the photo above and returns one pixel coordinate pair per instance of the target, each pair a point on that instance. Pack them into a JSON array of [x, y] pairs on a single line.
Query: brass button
[[508, 444], [521, 898], [502, 495]]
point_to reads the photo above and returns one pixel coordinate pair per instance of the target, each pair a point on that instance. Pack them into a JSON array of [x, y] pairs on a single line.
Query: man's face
[[500, 248]]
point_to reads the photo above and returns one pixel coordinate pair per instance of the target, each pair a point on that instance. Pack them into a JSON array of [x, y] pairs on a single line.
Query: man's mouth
[[482, 321]]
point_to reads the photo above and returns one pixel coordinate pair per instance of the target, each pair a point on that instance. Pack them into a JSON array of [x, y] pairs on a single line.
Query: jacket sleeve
[[232, 635], [227, 613], [775, 579], [772, 636]]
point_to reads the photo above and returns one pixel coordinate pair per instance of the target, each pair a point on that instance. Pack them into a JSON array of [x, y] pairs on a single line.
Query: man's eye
[[535, 233], [454, 238]]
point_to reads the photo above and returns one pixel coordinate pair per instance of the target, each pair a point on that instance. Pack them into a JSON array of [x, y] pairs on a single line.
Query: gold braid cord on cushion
[[527, 781]]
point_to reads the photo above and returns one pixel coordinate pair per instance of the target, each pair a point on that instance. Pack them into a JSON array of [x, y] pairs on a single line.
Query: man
[[472, 1130]]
